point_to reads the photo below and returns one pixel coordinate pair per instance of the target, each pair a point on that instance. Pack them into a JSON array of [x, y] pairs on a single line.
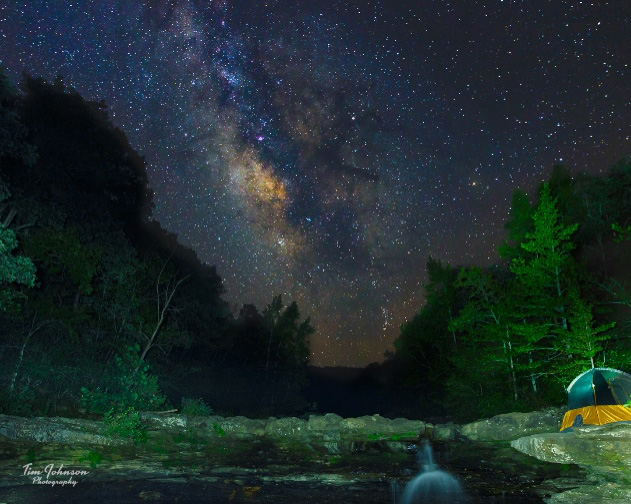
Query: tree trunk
[[558, 286], [162, 311], [19, 363], [511, 364], [533, 380], [34, 328], [453, 333]]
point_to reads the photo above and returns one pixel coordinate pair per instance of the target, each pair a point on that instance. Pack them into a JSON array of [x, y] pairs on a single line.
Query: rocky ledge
[[368, 451], [330, 432], [604, 451]]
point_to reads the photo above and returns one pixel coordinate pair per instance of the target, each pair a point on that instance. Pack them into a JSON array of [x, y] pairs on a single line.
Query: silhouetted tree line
[[86, 276], [513, 335]]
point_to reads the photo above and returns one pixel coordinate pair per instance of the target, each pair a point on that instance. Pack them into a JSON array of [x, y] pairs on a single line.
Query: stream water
[[485, 474]]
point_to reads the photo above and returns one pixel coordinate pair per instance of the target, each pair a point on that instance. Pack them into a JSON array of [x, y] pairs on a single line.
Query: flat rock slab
[[604, 451]]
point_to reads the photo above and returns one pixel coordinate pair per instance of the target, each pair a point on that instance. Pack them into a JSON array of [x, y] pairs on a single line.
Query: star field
[[323, 150]]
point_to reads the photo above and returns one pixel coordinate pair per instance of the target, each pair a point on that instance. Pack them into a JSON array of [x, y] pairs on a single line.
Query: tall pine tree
[[546, 273]]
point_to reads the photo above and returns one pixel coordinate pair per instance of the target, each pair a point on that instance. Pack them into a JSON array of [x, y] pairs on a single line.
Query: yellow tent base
[[597, 415]]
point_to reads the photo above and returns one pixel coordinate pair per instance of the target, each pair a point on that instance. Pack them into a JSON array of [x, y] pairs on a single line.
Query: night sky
[[323, 150]]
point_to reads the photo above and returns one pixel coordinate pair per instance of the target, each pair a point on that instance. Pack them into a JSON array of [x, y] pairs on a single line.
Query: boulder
[[511, 426], [604, 451]]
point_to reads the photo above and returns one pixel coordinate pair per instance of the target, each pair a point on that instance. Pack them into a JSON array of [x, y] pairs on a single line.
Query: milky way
[[323, 150]]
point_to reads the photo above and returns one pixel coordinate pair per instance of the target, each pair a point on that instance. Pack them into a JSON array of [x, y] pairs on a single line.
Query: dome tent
[[599, 396]]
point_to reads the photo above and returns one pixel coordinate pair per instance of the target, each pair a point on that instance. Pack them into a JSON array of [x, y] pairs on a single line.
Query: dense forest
[[513, 336], [103, 312]]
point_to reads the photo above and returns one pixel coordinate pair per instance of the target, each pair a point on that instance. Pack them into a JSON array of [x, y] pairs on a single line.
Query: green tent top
[[599, 387]]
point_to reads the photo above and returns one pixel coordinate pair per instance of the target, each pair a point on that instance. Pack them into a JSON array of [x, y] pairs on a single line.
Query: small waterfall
[[431, 486]]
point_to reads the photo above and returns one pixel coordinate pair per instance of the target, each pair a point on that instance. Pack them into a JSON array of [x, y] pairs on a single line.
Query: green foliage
[[125, 424], [80, 212], [195, 407], [93, 458], [334, 459], [131, 387], [487, 322], [584, 342], [549, 245]]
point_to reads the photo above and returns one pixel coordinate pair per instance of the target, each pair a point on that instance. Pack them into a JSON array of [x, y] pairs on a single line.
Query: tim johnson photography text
[[53, 476]]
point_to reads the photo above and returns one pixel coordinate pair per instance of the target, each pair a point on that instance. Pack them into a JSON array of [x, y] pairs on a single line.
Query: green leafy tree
[[130, 388]]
